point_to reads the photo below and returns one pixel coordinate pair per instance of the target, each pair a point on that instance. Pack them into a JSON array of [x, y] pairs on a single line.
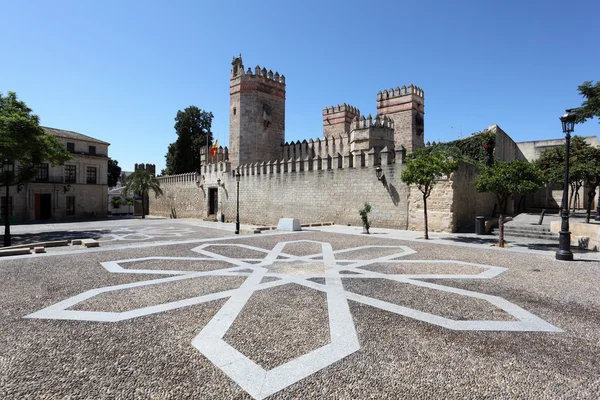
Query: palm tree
[[141, 182]]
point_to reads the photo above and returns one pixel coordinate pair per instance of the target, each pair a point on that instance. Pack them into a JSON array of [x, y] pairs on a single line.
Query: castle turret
[[405, 106], [257, 114], [337, 120], [368, 133]]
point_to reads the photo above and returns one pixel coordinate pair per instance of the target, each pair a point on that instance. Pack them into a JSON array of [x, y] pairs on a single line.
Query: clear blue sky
[[120, 70]]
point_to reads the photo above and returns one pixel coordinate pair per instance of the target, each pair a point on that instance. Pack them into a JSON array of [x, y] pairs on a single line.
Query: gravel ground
[[418, 268], [152, 357], [437, 302], [177, 265], [280, 324], [145, 296]]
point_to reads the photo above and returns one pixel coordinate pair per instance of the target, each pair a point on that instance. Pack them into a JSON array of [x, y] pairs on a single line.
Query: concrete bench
[[15, 252], [90, 243], [289, 224]]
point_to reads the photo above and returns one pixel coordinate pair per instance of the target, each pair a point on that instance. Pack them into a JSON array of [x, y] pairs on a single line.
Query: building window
[[3, 206], [71, 147], [70, 205], [92, 150], [91, 175], [41, 174], [70, 173]]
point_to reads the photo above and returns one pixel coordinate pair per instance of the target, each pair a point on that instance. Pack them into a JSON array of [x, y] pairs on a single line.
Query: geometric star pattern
[[144, 233], [281, 268]]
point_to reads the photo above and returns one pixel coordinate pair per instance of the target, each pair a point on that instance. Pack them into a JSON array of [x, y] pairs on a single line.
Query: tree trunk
[[577, 198], [588, 211], [425, 216], [501, 223], [571, 196], [143, 207]]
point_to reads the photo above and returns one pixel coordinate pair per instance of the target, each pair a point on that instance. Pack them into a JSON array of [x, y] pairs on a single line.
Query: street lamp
[[379, 173], [7, 170], [237, 215], [564, 241]]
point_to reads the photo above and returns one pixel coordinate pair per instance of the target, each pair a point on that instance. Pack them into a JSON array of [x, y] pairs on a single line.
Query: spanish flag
[[213, 149]]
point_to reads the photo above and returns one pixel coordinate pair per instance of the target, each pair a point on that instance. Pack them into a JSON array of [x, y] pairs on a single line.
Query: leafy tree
[[24, 144], [114, 172], [424, 168], [142, 182], [552, 164], [592, 177], [192, 126], [116, 202], [507, 178], [363, 212], [477, 149], [590, 107]]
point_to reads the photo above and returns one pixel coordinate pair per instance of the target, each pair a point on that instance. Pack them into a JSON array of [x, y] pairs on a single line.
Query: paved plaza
[[184, 309]]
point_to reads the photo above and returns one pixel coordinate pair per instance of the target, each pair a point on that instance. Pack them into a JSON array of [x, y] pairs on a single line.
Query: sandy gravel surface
[[152, 357]]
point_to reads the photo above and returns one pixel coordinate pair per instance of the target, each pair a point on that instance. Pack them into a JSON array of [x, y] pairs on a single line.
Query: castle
[[327, 179]]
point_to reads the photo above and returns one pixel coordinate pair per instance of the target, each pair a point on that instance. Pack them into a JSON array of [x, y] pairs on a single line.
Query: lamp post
[[379, 172], [237, 215], [7, 169], [564, 242]]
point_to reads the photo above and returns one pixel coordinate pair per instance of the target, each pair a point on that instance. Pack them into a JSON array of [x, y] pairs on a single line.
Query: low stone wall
[[584, 236]]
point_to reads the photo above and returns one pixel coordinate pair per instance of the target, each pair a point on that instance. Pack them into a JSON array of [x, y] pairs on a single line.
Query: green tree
[[364, 216], [590, 107], [23, 146], [424, 168], [505, 179], [592, 177], [116, 202], [193, 128], [552, 164], [142, 182], [114, 172]]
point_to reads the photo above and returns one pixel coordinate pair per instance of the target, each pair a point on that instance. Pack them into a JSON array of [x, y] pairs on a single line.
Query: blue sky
[[120, 70]]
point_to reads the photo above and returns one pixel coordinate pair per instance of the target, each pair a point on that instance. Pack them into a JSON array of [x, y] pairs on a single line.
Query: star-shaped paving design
[[322, 271]]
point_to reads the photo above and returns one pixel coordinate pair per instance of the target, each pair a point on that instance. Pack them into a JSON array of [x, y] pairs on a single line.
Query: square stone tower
[[338, 119], [256, 114], [405, 106]]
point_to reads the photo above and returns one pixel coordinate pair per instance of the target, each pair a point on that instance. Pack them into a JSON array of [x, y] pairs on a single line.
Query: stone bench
[[289, 224]]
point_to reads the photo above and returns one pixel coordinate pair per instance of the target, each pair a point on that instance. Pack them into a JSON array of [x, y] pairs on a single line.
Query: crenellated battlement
[[343, 108], [179, 179], [337, 119], [317, 147], [345, 160], [370, 122], [237, 71], [400, 91]]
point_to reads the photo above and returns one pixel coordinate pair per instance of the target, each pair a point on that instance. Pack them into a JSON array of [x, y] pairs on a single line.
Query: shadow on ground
[[27, 238]]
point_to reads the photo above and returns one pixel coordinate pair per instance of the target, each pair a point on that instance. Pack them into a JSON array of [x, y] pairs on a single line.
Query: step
[[552, 236], [534, 228]]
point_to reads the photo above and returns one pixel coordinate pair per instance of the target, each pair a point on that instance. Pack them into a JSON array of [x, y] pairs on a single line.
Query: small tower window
[[234, 111]]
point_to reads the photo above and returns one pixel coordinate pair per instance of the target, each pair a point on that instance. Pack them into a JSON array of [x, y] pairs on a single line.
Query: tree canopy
[[114, 172], [477, 149], [590, 107], [193, 128], [24, 143], [423, 169], [142, 182], [505, 179], [552, 163]]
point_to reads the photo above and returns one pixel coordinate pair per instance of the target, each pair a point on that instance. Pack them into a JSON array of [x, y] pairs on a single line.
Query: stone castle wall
[[330, 189]]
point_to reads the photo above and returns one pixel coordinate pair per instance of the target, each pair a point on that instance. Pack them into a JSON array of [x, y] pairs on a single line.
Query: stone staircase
[[529, 231]]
